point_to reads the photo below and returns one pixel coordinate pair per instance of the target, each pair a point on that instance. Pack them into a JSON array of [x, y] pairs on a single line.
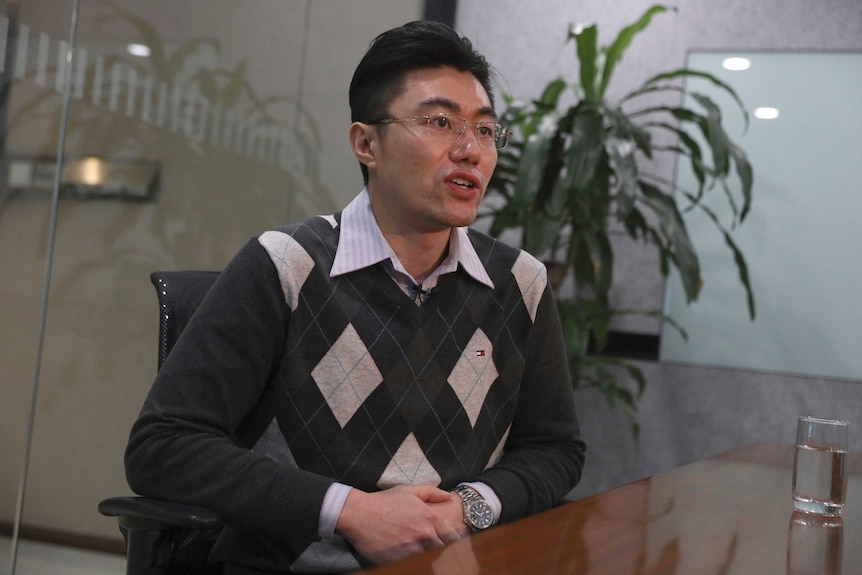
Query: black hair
[[379, 77]]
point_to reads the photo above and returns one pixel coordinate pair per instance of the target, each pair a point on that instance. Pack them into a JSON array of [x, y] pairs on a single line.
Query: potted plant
[[572, 174]]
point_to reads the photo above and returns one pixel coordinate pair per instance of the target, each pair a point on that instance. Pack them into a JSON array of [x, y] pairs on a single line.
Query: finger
[[450, 536], [435, 495], [434, 541], [447, 528], [426, 493]]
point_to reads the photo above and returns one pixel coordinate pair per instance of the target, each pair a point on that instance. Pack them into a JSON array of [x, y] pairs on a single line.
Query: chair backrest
[[180, 293]]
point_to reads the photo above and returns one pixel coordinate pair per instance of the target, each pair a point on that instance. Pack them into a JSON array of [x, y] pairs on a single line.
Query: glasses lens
[[501, 137], [452, 128], [444, 126]]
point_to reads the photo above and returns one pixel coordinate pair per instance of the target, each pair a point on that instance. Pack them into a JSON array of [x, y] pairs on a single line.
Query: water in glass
[[819, 480]]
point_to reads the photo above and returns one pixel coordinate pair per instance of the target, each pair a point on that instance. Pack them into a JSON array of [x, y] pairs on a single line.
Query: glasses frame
[[501, 132]]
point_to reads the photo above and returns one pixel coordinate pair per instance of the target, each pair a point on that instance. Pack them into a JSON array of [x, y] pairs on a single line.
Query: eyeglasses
[[450, 128]]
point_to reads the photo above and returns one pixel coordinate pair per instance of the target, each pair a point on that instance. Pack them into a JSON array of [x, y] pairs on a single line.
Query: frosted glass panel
[[802, 240]]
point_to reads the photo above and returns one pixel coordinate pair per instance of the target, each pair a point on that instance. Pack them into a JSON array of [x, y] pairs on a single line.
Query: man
[[358, 387]]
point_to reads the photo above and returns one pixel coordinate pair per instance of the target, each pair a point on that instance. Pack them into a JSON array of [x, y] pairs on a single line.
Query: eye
[[486, 130], [440, 122]]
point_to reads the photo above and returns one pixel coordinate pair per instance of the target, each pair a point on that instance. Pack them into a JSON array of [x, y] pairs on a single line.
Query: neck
[[420, 254], [420, 248]]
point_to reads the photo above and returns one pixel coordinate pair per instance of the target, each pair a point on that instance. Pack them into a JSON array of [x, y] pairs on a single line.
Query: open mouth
[[463, 183]]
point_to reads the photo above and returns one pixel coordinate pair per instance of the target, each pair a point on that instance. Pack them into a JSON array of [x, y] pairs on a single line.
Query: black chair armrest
[[153, 529], [152, 514]]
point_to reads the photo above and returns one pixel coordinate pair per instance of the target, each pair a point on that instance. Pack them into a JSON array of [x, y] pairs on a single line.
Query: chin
[[463, 222]]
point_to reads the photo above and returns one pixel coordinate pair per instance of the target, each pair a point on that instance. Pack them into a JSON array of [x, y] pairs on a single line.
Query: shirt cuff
[[488, 494], [333, 501]]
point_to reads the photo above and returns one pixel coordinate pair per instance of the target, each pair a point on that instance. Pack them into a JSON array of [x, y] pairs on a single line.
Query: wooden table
[[731, 514]]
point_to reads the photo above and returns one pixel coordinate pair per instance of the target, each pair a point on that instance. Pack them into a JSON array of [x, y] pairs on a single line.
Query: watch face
[[480, 515]]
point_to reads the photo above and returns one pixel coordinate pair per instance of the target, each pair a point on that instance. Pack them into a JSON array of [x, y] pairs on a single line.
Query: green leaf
[[621, 126], [615, 51], [586, 40], [688, 73], [649, 89], [657, 314], [742, 268], [691, 150], [636, 224], [680, 249], [584, 155], [636, 374], [551, 94], [505, 218], [533, 165], [534, 157], [739, 260], [579, 258], [601, 260], [575, 328], [722, 149], [696, 160], [746, 177], [715, 135]]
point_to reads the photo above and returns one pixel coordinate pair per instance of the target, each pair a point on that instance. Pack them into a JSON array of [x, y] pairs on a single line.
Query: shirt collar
[[362, 244]]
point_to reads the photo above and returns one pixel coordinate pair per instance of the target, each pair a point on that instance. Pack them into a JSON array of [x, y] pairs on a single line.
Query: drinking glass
[[819, 466], [815, 544]]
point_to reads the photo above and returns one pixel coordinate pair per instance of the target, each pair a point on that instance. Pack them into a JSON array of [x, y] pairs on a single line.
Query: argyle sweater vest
[[379, 392], [365, 388]]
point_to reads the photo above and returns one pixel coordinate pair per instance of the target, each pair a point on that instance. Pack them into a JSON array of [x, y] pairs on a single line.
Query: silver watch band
[[473, 500], [468, 494]]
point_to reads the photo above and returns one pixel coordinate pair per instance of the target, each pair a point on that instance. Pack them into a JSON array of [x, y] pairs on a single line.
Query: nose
[[467, 147]]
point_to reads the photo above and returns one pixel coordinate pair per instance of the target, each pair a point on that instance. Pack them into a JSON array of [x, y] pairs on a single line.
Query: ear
[[363, 142]]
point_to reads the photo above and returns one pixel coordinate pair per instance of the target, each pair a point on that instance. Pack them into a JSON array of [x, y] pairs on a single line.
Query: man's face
[[423, 184]]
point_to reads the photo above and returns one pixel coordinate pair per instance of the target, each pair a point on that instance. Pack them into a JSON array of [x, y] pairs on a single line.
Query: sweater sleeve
[[192, 440], [544, 454]]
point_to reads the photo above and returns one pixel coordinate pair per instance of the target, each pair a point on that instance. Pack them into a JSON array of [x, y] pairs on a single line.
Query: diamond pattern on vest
[[292, 261], [498, 452], [475, 365], [346, 375], [530, 275], [409, 466]]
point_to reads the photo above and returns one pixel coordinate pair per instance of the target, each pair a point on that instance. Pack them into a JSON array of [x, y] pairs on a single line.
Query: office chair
[[163, 537]]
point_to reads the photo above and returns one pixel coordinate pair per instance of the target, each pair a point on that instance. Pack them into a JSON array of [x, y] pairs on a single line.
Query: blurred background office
[[181, 129]]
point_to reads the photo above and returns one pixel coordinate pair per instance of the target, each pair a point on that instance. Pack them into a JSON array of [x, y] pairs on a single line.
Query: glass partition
[[190, 129], [31, 108], [801, 237]]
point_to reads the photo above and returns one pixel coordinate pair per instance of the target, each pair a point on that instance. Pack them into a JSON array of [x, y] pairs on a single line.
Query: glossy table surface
[[731, 514]]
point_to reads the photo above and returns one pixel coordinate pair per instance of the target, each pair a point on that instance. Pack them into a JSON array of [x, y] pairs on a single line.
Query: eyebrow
[[441, 102]]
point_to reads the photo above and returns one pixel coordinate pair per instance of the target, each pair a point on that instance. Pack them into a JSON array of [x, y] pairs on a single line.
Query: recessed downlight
[[766, 113], [736, 64]]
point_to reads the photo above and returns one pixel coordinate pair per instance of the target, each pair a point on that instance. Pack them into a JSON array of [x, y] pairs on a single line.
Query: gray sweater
[[286, 380]]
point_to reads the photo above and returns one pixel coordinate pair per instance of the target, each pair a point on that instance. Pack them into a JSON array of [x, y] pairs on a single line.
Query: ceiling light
[[766, 113], [140, 50], [736, 64]]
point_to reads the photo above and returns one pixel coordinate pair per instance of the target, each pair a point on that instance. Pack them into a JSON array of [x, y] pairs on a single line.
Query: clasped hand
[[388, 525]]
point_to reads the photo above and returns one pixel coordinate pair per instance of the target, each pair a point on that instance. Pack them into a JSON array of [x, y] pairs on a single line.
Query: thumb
[[431, 494]]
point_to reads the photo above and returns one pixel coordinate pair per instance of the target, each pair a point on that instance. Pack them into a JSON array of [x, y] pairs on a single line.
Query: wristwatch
[[477, 513]]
